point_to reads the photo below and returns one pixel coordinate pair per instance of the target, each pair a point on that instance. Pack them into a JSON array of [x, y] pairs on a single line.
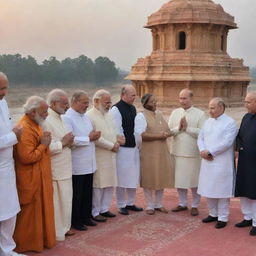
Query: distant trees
[[253, 72], [26, 70]]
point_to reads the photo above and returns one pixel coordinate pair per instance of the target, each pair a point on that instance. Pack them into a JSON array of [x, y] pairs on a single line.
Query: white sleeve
[[117, 120], [200, 140], [8, 140], [140, 124]]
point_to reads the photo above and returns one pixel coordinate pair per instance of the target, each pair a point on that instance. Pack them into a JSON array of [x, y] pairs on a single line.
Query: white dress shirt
[[83, 150]]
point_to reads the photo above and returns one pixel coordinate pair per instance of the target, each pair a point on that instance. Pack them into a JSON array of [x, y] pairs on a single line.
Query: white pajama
[[101, 200], [248, 208], [125, 196], [153, 198], [219, 207], [183, 197]]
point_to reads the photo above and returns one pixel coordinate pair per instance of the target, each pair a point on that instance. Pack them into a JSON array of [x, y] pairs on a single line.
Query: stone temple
[[190, 51]]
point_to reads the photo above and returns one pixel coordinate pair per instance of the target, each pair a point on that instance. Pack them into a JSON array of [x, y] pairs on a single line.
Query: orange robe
[[35, 222]]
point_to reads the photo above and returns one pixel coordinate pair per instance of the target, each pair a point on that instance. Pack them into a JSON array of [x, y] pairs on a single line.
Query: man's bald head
[[216, 107], [186, 98], [3, 85], [250, 102], [128, 94]]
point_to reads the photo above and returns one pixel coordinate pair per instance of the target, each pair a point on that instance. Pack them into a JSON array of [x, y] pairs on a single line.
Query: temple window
[[182, 41], [222, 43]]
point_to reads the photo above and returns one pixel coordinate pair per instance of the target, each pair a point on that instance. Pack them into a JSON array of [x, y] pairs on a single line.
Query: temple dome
[[191, 11]]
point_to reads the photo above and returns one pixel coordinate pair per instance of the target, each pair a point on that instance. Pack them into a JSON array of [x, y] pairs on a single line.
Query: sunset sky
[[112, 28]]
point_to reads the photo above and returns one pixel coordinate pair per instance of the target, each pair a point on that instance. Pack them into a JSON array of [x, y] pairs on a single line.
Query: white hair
[[98, 94], [77, 95], [55, 95], [32, 103], [3, 76]]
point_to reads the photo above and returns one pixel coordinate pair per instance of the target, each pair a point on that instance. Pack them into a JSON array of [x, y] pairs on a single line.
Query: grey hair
[[55, 95], [77, 94], [32, 103], [190, 92], [252, 94], [125, 87], [220, 102], [98, 94]]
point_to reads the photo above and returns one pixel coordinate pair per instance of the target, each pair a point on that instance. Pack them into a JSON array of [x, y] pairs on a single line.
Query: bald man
[[246, 171], [185, 124], [9, 202], [128, 165], [216, 146]]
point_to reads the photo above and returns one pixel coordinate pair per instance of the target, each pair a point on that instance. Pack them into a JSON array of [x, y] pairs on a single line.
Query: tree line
[[25, 70]]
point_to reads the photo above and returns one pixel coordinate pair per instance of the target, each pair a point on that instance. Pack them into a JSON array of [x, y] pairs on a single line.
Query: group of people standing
[[67, 161]]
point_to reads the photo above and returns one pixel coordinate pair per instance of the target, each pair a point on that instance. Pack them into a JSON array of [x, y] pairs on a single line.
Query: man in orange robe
[[35, 222]]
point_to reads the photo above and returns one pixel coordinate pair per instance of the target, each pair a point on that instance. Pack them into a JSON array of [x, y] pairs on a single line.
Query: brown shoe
[[179, 208], [150, 212], [161, 209], [194, 211], [99, 218], [70, 233]]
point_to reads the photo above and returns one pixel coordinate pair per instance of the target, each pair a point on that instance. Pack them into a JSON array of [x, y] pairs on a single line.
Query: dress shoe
[[209, 219], [243, 223], [179, 208], [221, 224], [80, 227], [133, 208], [69, 233], [253, 231], [194, 211], [161, 209], [150, 211], [90, 223], [99, 218], [108, 214], [123, 211]]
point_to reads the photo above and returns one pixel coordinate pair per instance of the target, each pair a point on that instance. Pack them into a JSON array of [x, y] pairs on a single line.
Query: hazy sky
[[112, 28]]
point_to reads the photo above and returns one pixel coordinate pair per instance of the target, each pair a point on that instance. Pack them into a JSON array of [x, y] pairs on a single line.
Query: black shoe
[[99, 218], [221, 224], [80, 227], [243, 223], [108, 214], [90, 223], [123, 211], [133, 208], [209, 219], [253, 231]]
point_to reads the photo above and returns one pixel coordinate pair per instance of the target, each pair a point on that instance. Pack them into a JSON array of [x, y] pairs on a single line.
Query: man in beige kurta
[[104, 179], [61, 162], [185, 124]]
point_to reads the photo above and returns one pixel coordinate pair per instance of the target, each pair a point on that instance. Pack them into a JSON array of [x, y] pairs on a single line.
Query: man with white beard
[[104, 179], [61, 162], [8, 210]]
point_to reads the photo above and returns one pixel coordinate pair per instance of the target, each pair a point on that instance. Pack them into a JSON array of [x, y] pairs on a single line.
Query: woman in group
[[156, 169]]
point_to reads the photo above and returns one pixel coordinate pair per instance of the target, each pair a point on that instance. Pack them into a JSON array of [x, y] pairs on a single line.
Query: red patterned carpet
[[172, 234]]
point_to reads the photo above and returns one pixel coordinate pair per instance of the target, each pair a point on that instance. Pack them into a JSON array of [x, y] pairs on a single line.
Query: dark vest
[[128, 113]]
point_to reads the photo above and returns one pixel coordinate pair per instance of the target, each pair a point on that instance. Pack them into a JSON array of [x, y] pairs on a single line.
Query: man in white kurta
[[216, 146], [185, 124], [128, 164], [104, 179], [9, 202], [61, 162], [83, 159]]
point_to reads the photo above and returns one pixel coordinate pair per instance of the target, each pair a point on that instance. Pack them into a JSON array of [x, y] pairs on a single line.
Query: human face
[[60, 106], [215, 110], [41, 113], [250, 104], [105, 102], [81, 104], [129, 96], [3, 87], [151, 104], [185, 100]]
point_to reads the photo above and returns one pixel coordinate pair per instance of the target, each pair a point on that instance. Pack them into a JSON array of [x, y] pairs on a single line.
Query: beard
[[103, 110], [39, 120]]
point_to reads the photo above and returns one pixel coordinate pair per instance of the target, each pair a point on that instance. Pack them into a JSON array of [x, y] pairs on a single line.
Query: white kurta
[[216, 178], [105, 175], [128, 161], [184, 146], [61, 163], [83, 150], [9, 202]]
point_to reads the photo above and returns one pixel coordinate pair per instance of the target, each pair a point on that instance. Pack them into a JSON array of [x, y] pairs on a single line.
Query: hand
[[116, 147], [18, 131], [183, 124], [94, 135], [121, 139], [205, 154], [67, 140], [46, 138]]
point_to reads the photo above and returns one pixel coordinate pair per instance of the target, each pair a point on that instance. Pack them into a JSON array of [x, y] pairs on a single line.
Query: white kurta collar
[[75, 113], [53, 114]]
